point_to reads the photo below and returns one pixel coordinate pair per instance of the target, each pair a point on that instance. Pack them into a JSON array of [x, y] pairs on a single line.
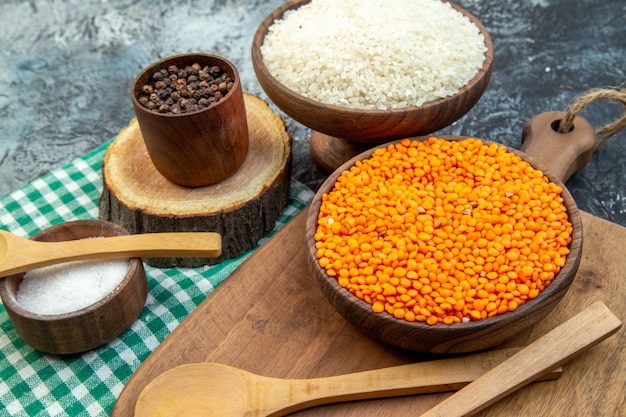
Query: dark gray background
[[66, 68]]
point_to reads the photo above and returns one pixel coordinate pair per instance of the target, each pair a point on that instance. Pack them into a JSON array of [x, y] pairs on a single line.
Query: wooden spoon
[[211, 389], [19, 254]]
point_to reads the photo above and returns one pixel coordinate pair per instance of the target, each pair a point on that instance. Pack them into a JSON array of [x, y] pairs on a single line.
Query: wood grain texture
[[270, 318], [561, 344], [198, 148], [89, 327], [236, 393], [242, 209], [564, 153], [370, 126]]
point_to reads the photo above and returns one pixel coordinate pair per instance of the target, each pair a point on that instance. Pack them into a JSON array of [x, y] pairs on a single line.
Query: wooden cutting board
[[269, 318]]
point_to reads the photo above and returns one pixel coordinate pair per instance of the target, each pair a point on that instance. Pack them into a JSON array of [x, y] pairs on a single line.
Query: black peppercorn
[[182, 90]]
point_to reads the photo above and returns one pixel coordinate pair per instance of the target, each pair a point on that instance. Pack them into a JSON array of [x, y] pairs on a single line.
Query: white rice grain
[[374, 54]]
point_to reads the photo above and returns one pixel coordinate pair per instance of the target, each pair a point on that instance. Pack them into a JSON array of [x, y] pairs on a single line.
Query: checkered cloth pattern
[[33, 384]]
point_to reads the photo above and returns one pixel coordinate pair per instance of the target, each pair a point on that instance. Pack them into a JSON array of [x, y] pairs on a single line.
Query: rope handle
[[581, 101]]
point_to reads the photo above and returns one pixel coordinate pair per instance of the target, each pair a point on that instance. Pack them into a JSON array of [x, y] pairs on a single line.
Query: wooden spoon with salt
[[19, 254], [211, 389]]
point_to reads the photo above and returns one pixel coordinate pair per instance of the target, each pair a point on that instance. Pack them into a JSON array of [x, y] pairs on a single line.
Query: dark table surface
[[66, 68]]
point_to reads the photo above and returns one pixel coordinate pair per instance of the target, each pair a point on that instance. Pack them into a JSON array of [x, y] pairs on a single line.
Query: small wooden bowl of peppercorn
[[358, 80], [443, 245], [191, 113], [75, 306]]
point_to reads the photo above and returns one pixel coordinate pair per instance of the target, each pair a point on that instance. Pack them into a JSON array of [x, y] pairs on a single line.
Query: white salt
[[70, 286], [374, 53]]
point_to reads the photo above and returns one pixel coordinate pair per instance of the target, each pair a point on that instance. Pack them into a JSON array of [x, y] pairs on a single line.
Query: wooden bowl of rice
[[467, 334], [369, 78]]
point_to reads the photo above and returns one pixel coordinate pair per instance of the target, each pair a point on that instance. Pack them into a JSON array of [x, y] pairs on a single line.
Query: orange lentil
[[443, 231]]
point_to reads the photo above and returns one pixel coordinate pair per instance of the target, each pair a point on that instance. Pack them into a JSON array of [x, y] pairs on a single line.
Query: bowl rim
[[259, 37], [566, 274], [161, 63], [9, 298]]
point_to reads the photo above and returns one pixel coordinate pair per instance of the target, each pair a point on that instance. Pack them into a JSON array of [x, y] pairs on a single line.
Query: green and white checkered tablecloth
[[35, 384]]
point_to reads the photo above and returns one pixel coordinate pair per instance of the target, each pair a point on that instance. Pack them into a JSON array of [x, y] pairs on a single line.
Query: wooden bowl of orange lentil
[[443, 245]]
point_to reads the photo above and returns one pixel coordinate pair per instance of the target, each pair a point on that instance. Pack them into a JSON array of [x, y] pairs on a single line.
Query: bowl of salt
[[75, 306]]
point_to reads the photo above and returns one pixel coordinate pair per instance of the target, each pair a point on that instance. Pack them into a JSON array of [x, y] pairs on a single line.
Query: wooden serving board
[[269, 318]]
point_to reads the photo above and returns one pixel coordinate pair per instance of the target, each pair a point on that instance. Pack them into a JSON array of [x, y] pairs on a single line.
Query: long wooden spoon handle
[[182, 244], [556, 347], [35, 254], [427, 377]]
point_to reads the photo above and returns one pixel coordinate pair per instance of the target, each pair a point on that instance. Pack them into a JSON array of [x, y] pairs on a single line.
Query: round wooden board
[[243, 208]]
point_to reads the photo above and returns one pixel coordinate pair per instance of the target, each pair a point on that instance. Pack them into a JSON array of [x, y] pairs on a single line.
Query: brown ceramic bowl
[[369, 126], [91, 326], [197, 148], [441, 338]]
